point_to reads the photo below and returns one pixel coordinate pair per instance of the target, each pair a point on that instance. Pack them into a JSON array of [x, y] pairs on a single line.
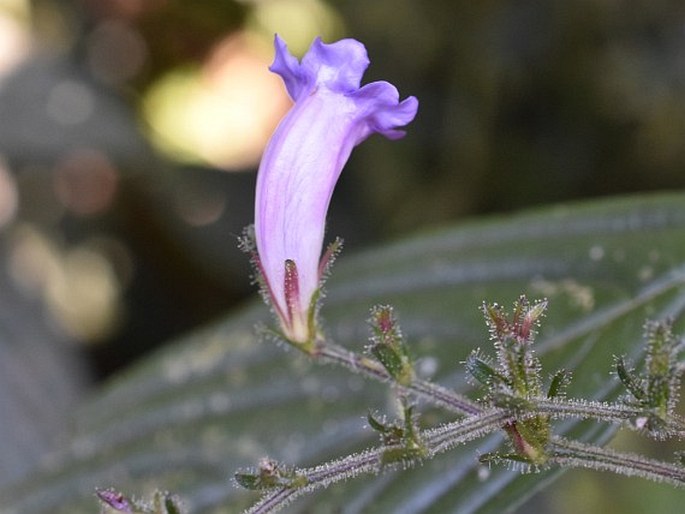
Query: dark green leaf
[[560, 381], [629, 380], [482, 371], [377, 425], [217, 401]]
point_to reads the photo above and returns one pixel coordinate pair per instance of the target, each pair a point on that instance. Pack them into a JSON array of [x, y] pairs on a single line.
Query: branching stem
[[436, 440], [514, 402], [332, 353]]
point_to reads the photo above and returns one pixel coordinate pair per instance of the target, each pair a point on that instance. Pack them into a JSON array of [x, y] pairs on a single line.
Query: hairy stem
[[602, 411], [332, 353], [580, 455], [436, 440]]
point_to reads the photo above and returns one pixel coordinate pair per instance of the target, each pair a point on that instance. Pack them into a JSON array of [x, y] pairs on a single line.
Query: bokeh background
[[130, 132]]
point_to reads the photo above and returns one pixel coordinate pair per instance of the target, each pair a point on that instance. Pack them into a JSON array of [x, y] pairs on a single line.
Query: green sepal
[[388, 347], [391, 434], [375, 424], [496, 319], [558, 384], [661, 356], [631, 383], [394, 363], [250, 481], [529, 439], [483, 372], [165, 503]]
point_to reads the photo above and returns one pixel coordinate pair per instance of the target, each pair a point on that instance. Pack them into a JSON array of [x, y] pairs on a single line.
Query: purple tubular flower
[[303, 160]]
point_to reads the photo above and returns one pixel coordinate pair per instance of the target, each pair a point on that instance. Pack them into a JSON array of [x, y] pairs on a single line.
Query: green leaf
[[482, 371], [190, 416], [629, 380], [558, 384]]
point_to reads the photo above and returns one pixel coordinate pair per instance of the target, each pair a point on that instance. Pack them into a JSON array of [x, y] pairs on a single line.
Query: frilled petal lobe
[[338, 66], [385, 111], [304, 159], [287, 66]]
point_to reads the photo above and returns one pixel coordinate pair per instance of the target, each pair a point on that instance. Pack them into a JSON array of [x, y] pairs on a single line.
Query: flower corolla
[[302, 162]]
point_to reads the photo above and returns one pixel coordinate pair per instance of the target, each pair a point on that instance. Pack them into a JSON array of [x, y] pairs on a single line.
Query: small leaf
[[388, 345], [632, 383], [496, 319], [482, 371], [560, 381], [250, 481], [375, 424], [391, 360], [165, 503]]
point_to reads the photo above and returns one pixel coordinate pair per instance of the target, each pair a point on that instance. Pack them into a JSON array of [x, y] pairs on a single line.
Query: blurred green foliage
[[523, 103]]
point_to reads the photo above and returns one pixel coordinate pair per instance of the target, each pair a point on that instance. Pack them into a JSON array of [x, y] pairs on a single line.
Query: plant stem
[[441, 396], [602, 411], [580, 455], [436, 440]]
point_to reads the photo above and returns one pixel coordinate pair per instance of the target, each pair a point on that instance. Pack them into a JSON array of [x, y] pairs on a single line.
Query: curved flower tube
[[302, 162]]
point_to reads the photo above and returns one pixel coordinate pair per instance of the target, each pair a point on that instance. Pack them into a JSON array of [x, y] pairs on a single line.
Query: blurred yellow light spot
[[297, 21], [79, 286], [84, 296], [33, 260], [222, 113], [14, 34]]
